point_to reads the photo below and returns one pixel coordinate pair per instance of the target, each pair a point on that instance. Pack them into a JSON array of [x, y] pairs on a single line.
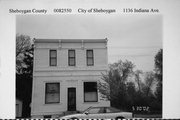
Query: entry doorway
[[71, 99]]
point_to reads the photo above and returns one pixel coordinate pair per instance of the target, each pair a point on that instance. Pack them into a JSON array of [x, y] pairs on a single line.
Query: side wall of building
[[19, 104]]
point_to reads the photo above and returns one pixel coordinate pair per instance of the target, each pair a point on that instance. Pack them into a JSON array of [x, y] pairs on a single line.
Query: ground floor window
[[52, 93], [90, 92]]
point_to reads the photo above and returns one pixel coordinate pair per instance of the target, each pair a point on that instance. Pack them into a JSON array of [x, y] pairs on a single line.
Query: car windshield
[[86, 109]]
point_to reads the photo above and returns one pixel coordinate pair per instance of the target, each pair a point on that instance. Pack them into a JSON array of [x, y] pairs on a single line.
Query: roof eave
[[70, 40]]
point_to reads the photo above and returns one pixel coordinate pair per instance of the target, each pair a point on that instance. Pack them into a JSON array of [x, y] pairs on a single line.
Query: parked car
[[100, 113]]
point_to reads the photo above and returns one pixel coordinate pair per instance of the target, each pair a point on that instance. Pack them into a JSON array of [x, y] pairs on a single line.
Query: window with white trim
[[52, 93], [90, 57], [71, 58], [53, 58], [90, 92]]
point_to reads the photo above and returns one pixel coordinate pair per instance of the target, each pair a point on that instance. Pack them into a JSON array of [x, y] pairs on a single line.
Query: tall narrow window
[[71, 57], [53, 58], [90, 92], [52, 94], [90, 58]]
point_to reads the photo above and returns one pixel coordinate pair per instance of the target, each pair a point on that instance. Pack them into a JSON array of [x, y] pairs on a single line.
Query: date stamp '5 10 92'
[[141, 108]]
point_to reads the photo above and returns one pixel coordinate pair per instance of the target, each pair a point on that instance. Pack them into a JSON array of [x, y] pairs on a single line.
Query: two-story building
[[66, 74]]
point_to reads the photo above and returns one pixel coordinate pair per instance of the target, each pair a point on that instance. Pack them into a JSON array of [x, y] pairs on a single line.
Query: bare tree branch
[[23, 44]]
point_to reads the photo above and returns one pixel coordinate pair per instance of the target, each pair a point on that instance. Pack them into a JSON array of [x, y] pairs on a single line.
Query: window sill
[[46, 104]]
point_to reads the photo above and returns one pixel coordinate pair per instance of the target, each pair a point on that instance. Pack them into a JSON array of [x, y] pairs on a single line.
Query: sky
[[136, 38]]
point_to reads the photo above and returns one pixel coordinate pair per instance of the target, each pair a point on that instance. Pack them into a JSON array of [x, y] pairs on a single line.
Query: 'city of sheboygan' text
[[96, 10]]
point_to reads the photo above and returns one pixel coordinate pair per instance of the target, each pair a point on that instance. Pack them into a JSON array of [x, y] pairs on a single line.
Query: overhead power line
[[138, 55], [139, 47]]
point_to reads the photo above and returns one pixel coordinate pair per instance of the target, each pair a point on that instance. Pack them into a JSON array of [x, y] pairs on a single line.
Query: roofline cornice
[[70, 40]]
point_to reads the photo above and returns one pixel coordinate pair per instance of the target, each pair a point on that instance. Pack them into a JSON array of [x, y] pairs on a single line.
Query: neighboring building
[[65, 75], [19, 104]]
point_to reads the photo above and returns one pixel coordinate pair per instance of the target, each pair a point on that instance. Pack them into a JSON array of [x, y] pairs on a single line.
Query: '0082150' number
[[64, 10]]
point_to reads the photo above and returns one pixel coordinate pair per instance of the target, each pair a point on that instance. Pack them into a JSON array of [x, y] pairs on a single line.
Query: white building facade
[[66, 74]]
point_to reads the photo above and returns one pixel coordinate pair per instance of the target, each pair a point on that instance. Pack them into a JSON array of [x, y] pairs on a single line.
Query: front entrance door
[[71, 99]]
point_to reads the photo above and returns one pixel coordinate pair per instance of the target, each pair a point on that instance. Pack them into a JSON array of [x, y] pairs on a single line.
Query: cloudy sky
[[133, 37]]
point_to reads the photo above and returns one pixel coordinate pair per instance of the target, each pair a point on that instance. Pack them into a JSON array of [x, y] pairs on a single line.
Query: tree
[[116, 86], [28, 61], [159, 73], [149, 82], [131, 96], [159, 65], [24, 70], [113, 84], [23, 44], [138, 79]]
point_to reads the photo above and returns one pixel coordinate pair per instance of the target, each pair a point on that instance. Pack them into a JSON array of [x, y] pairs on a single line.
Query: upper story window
[[90, 57], [71, 58], [53, 58]]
